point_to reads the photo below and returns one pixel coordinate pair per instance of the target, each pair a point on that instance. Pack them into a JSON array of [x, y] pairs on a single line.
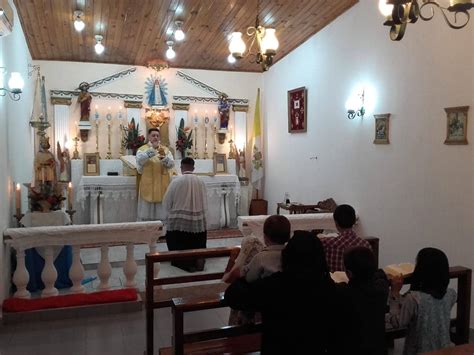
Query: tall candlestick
[[69, 196], [18, 199]]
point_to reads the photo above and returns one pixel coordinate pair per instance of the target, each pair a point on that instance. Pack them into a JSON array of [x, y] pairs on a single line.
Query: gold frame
[[460, 115], [291, 103], [220, 159], [382, 129], [88, 171]]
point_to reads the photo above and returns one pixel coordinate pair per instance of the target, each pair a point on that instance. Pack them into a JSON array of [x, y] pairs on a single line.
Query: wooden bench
[[460, 335], [157, 297]]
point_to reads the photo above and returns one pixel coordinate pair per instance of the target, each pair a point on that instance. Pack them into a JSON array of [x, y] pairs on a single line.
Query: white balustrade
[[102, 235]]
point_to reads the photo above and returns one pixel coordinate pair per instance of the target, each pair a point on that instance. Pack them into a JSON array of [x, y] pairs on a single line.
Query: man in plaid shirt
[[344, 217]]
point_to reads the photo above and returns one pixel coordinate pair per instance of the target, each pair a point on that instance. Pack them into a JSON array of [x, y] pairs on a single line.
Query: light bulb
[[384, 8], [179, 35], [231, 59], [1, 11], [170, 53], [16, 82], [78, 22], [269, 41], [99, 47], [237, 45]]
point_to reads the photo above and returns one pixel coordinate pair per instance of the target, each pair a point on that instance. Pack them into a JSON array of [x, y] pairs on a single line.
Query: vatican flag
[[257, 153]]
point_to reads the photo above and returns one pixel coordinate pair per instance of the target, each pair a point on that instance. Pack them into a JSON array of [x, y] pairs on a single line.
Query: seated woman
[[425, 309]]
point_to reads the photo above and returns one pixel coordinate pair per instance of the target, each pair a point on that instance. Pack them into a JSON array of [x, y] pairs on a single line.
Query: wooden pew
[[463, 308]]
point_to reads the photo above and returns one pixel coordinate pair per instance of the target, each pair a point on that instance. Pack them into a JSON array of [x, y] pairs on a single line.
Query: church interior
[[282, 104]]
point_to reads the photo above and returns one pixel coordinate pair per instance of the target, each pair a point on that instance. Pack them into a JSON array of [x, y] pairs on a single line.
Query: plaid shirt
[[335, 247]]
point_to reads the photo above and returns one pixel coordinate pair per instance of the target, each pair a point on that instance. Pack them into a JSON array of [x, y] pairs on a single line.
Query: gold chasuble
[[155, 178]]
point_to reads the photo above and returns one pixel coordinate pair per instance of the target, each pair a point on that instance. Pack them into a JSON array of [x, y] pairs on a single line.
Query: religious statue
[[156, 91], [64, 164], [223, 107], [45, 164], [84, 99]]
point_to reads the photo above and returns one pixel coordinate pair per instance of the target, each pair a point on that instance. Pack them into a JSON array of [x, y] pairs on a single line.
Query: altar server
[[155, 166], [186, 205]]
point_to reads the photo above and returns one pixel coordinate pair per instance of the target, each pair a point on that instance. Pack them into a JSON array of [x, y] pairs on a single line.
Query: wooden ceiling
[[135, 31]]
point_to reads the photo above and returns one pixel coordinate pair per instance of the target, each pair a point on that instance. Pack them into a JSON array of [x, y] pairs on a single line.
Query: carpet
[[79, 299]]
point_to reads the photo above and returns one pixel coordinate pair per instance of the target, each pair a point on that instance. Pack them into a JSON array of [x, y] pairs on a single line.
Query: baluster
[[156, 265], [104, 270], [21, 275], [76, 273], [49, 274], [130, 267]]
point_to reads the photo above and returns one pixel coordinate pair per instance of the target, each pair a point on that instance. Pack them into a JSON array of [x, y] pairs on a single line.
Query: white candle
[[96, 113], [69, 196], [18, 199]]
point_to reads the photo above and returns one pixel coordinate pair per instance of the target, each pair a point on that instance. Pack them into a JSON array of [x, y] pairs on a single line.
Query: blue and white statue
[[156, 90]]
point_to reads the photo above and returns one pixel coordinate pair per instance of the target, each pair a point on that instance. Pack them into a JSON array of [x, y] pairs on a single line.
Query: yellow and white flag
[[257, 147]]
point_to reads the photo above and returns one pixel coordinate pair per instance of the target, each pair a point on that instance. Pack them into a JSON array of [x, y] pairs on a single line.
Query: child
[[364, 303], [345, 218], [255, 261], [425, 310]]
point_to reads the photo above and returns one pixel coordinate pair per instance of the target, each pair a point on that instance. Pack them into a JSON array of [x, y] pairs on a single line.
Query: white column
[[49, 274], [105, 269], [21, 276], [76, 273], [130, 267]]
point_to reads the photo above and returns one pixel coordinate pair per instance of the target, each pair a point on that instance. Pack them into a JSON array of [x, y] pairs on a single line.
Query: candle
[[96, 113], [69, 196], [18, 199], [120, 113]]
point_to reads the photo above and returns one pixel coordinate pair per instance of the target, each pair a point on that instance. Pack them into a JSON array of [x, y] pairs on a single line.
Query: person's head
[[84, 86], [154, 136], [187, 165], [344, 216], [431, 274], [276, 230], [304, 255], [359, 263]]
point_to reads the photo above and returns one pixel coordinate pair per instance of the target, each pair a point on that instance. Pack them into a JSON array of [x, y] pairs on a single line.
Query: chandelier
[[399, 13], [267, 44]]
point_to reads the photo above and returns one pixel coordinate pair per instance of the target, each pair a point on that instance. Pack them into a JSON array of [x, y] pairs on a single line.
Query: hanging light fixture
[[399, 13], [78, 21], [266, 39], [15, 85], [99, 47], [178, 33], [170, 53]]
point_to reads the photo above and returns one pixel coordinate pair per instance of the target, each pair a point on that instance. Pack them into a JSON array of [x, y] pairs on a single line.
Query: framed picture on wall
[[220, 164], [382, 128], [297, 110], [91, 164], [456, 125]]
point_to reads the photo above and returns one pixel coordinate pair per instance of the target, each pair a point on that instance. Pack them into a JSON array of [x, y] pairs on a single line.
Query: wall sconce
[[15, 84], [356, 106]]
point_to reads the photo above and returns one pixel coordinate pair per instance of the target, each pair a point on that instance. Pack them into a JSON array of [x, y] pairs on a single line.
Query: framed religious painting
[[456, 125], [91, 164], [220, 164], [382, 128], [297, 110]]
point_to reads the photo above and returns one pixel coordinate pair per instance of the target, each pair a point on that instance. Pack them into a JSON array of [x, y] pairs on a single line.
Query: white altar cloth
[[253, 225]]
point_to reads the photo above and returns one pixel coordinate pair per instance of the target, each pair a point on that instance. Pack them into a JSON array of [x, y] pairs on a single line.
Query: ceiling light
[[1, 11], [99, 47], [170, 53], [399, 13], [78, 22], [15, 84], [231, 59], [266, 39], [179, 34]]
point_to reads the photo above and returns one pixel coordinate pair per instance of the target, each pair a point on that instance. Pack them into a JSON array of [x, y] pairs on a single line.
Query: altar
[[113, 199]]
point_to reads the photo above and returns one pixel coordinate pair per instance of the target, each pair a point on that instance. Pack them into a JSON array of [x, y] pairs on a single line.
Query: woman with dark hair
[[298, 304], [425, 309]]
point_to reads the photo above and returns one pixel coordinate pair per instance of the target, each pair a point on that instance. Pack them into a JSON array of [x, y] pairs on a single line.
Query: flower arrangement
[[45, 197], [132, 139], [184, 135]]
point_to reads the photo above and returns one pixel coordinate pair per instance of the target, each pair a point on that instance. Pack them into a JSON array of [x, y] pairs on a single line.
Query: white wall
[[412, 193], [15, 138]]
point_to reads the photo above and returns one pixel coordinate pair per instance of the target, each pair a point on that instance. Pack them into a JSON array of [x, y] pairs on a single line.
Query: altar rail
[[102, 235]]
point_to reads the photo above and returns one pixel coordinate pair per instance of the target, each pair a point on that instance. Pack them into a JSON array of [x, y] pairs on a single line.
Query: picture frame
[[297, 110], [220, 164], [91, 164], [382, 128], [456, 125]]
